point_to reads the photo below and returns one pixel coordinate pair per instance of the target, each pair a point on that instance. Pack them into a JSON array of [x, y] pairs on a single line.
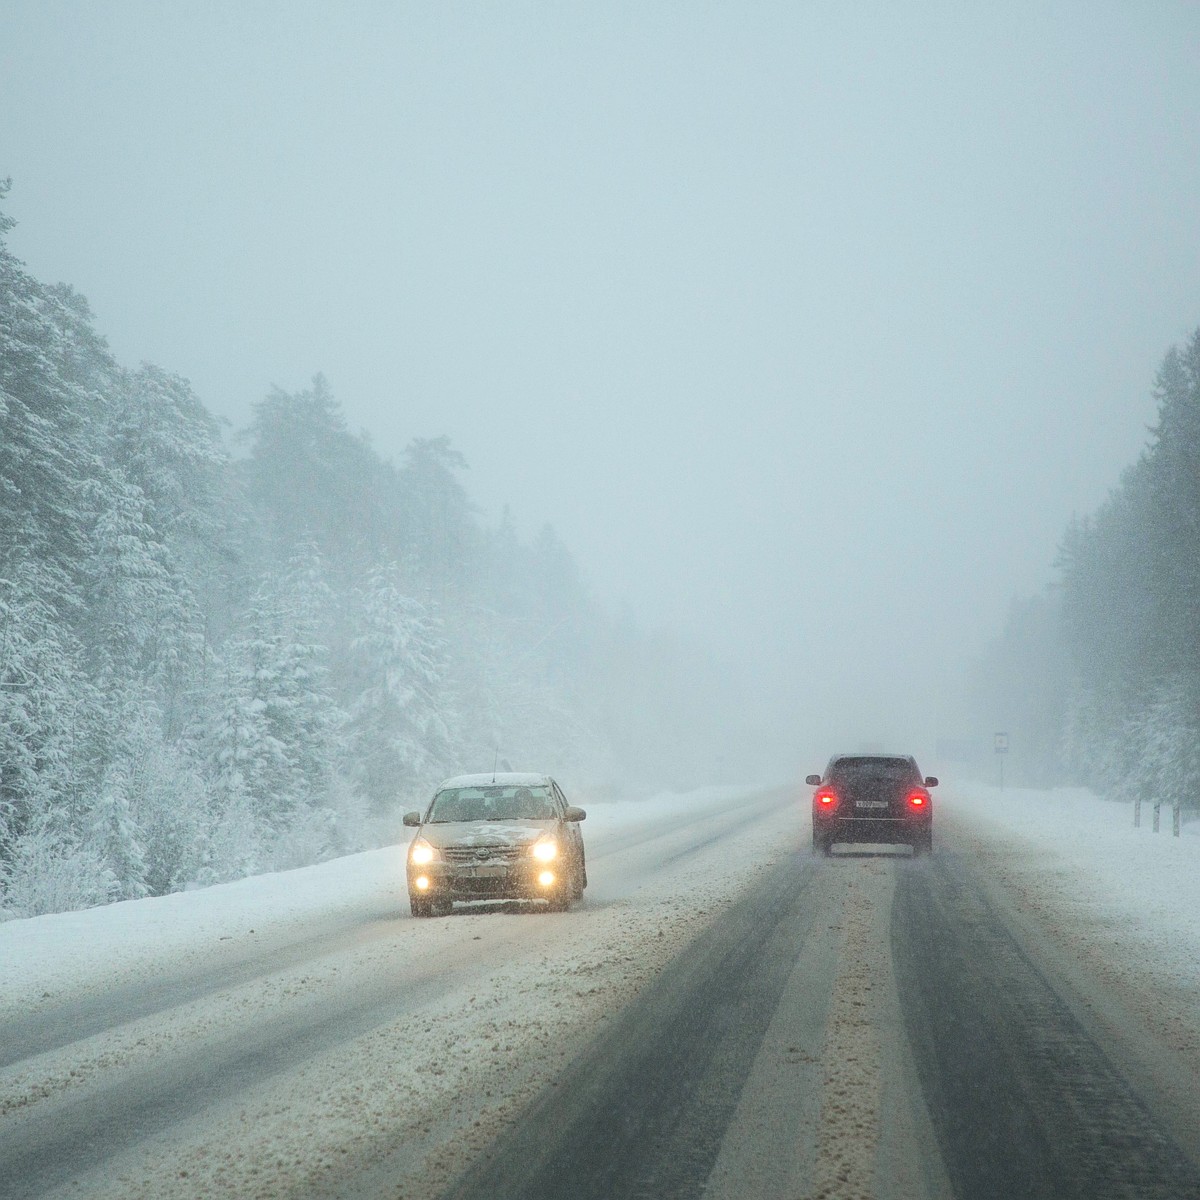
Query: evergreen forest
[[224, 653], [1099, 677]]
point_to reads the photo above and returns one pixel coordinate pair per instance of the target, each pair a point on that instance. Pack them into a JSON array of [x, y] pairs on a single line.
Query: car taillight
[[826, 799], [917, 799]]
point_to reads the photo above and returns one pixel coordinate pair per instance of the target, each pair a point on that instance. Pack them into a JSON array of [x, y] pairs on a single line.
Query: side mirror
[[413, 819], [813, 780], [931, 781], [574, 814]]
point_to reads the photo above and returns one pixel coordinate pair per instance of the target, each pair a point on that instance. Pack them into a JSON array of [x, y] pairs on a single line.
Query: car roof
[[908, 758], [498, 779], [874, 754]]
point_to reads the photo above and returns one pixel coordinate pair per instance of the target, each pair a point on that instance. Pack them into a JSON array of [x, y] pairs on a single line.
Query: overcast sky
[[808, 326]]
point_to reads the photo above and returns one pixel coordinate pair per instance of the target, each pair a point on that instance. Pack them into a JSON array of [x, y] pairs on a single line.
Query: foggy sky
[[807, 326]]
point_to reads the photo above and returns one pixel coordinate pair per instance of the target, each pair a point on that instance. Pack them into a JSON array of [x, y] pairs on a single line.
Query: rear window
[[894, 770]]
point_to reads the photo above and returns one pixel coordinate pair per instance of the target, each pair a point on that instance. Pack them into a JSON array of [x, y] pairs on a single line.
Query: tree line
[[1101, 674], [222, 655]]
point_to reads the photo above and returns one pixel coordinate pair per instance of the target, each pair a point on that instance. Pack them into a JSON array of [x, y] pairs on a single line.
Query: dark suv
[[872, 798]]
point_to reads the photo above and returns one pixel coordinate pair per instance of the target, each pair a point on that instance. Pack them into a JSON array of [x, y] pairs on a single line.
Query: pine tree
[[45, 705], [53, 369], [443, 542], [113, 833], [313, 481], [1131, 603], [279, 729], [402, 716], [1172, 520], [131, 599]]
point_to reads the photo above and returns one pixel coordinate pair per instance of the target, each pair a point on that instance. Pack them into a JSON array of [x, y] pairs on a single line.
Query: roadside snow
[[1137, 887], [62, 954], [1112, 909]]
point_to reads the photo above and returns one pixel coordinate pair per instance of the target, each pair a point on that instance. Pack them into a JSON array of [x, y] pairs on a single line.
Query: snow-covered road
[[299, 1034], [286, 1032]]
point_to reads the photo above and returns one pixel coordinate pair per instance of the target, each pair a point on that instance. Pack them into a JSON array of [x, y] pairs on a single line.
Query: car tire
[[578, 880], [560, 899], [822, 845], [422, 906], [923, 845]]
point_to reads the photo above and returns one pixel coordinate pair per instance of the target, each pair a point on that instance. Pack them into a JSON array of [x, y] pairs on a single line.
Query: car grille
[[476, 854]]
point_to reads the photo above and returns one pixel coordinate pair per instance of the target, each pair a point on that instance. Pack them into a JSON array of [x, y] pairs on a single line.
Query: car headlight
[[421, 852], [545, 851]]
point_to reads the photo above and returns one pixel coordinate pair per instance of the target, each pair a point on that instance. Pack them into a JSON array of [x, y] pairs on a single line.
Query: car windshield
[[898, 770], [493, 803]]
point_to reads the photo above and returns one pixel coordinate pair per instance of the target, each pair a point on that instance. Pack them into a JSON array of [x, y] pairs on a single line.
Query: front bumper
[[521, 879]]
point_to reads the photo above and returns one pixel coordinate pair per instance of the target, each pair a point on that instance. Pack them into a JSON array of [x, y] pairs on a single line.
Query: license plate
[[870, 804], [486, 871]]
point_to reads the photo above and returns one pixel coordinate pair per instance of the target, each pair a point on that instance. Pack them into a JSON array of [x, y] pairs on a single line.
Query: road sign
[[1001, 743]]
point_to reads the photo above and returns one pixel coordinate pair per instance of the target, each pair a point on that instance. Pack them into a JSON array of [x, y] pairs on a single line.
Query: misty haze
[[599, 601]]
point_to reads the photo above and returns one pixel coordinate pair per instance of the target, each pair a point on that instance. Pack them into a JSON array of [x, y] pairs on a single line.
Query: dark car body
[[877, 798], [509, 836]]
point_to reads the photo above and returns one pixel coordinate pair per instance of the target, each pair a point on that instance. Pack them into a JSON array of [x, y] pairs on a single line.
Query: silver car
[[495, 837]]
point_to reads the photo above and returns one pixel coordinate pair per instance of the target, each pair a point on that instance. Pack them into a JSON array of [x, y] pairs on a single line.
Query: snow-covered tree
[[53, 369], [132, 603], [278, 734], [211, 665], [44, 698], [51, 869], [1131, 609], [113, 833], [442, 540], [403, 715]]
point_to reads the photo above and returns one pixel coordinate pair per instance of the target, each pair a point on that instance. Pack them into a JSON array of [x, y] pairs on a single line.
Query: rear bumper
[[899, 830]]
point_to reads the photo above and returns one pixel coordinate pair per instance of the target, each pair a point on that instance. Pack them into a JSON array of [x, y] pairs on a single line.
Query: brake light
[[826, 798], [917, 799]]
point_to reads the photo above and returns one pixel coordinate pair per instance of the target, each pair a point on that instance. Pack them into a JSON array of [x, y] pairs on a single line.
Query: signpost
[[1001, 743]]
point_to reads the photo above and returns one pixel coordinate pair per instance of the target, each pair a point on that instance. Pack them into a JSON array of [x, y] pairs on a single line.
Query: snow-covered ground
[[307, 1032], [1083, 855], [1083, 851], [1112, 909], [366, 1032]]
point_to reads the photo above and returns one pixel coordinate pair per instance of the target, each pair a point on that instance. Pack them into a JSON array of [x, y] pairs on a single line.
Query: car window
[[495, 803], [894, 770]]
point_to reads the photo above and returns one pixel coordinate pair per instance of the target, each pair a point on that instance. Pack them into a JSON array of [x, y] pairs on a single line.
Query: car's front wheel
[[565, 890], [422, 906]]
